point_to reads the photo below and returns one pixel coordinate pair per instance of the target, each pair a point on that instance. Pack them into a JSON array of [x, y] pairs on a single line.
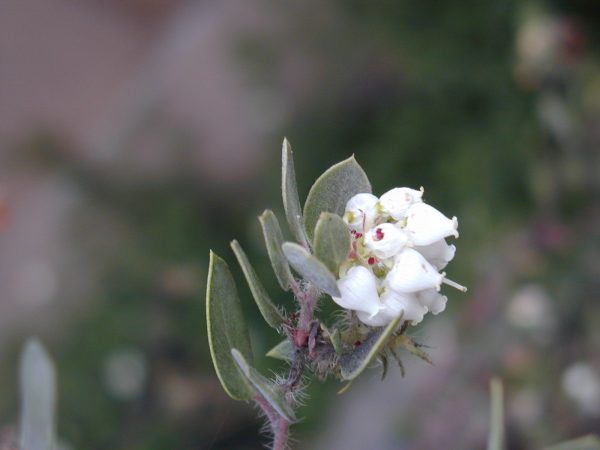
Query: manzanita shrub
[[378, 258]]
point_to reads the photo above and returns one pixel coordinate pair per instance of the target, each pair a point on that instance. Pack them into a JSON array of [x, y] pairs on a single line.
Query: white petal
[[395, 304], [432, 300], [426, 225], [361, 212], [412, 273], [385, 240], [396, 202], [439, 254], [359, 291]]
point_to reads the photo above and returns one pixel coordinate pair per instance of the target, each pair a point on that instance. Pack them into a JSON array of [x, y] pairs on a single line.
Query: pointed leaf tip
[[289, 192], [332, 190]]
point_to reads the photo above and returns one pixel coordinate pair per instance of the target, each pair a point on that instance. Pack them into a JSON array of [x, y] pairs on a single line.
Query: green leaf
[[269, 311], [284, 351], [355, 362], [590, 442], [496, 437], [332, 240], [310, 268], [332, 190], [273, 241], [226, 329], [271, 392], [289, 191], [38, 398]]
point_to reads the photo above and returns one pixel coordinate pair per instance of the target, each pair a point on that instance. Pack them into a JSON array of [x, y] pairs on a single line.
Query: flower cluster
[[398, 251]]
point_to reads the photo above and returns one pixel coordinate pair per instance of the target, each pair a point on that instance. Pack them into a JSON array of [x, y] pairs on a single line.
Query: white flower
[[394, 304], [359, 291], [426, 225], [396, 202], [361, 212], [385, 240], [432, 300], [439, 254], [412, 273]]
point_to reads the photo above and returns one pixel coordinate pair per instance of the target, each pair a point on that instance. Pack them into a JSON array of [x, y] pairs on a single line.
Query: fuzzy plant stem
[[280, 434]]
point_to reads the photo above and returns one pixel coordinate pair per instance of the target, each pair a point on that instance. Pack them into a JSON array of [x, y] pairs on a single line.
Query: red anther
[[358, 235], [379, 234], [357, 343], [371, 260]]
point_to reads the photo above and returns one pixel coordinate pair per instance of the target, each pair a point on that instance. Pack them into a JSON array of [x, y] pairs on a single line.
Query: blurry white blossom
[[582, 384], [125, 374], [398, 250]]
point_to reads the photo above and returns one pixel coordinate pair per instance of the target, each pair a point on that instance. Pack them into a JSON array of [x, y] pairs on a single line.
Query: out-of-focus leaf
[[226, 329], [355, 362], [310, 268], [289, 191], [590, 442], [332, 190], [284, 351], [269, 311], [273, 241], [38, 398], [496, 436], [267, 389], [332, 240]]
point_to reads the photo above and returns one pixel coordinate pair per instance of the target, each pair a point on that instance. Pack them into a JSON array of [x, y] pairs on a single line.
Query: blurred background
[[137, 134]]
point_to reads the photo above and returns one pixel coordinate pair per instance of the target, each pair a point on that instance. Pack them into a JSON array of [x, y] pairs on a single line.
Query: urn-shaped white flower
[[359, 291], [412, 273], [396, 202], [426, 225], [361, 212], [385, 240]]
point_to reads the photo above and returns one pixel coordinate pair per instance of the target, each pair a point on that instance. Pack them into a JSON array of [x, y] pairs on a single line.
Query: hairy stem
[[280, 434]]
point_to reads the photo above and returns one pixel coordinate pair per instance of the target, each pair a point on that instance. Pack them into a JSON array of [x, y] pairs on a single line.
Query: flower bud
[[361, 212], [385, 240], [426, 225], [439, 254], [396, 202], [359, 291], [412, 273]]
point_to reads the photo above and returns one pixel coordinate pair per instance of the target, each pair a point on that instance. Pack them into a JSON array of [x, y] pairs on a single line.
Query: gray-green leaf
[[310, 268], [269, 311], [226, 329], [332, 241], [38, 398], [267, 389], [332, 190], [590, 442], [355, 362], [289, 191], [284, 351], [273, 240]]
